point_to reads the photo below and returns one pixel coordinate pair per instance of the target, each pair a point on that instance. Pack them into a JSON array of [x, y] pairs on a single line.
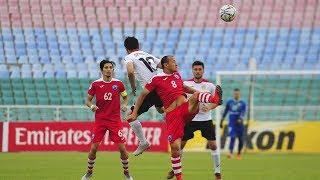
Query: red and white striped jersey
[[203, 86]]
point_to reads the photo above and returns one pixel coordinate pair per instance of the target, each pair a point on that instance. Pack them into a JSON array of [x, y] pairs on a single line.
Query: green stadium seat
[[27, 81], [6, 86], [65, 93], [66, 101], [52, 87], [43, 100], [18, 93], [41, 86], [53, 93], [39, 81], [7, 93], [16, 81], [50, 81], [30, 93], [32, 100], [8, 100], [4, 81], [55, 100], [74, 87], [76, 93], [78, 100], [17, 86], [20, 100], [29, 87], [42, 93], [62, 81], [73, 81]]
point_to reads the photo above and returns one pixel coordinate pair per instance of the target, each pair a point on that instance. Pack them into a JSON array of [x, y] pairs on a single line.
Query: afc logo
[[170, 138], [114, 87], [176, 76]]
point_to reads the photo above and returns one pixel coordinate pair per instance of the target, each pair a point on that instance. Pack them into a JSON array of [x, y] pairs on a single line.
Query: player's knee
[[194, 96], [212, 146], [175, 149], [94, 148]]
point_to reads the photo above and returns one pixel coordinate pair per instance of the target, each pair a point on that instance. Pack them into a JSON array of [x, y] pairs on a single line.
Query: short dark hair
[[236, 89], [165, 59], [105, 61], [198, 63], [131, 43]]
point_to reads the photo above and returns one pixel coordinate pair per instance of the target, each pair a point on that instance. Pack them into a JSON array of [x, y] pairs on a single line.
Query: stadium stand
[[49, 49]]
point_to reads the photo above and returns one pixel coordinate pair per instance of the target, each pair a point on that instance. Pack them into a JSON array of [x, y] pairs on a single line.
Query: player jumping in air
[[169, 86], [237, 110], [145, 66], [203, 120], [107, 91]]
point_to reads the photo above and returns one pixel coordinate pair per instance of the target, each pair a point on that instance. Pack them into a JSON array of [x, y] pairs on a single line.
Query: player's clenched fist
[[94, 108]]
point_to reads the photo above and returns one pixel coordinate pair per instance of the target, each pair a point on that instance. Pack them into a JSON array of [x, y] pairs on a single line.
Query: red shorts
[[114, 128], [176, 120]]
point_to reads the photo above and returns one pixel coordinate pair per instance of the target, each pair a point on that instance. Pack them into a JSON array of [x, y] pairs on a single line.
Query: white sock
[[216, 161], [137, 129]]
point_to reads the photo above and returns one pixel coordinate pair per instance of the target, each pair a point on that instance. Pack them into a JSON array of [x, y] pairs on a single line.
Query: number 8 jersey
[[145, 65], [168, 86], [107, 99]]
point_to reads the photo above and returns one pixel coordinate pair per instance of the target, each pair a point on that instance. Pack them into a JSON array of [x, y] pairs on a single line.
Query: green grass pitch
[[154, 166]]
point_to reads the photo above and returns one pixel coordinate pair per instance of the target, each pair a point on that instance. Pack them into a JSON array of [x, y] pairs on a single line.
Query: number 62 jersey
[[108, 95], [145, 65]]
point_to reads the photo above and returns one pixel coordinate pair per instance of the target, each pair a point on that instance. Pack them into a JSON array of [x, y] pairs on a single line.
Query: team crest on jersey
[[176, 76], [170, 138], [114, 87]]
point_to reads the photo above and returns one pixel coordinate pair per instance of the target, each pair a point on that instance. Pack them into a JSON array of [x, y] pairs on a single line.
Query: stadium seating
[[54, 46]]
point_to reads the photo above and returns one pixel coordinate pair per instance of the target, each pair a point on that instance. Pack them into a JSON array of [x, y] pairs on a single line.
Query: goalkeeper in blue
[[236, 109]]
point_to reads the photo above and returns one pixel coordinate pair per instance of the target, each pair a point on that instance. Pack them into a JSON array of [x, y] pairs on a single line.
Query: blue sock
[[231, 145]]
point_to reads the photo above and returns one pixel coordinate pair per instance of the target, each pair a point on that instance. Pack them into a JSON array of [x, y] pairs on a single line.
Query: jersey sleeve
[[127, 59], [92, 90], [151, 85], [122, 89], [212, 87]]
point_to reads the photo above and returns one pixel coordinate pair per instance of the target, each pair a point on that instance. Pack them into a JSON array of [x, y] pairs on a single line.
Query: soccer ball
[[227, 12]]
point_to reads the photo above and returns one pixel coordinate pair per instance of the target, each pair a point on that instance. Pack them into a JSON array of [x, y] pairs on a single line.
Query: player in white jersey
[[203, 120], [143, 66]]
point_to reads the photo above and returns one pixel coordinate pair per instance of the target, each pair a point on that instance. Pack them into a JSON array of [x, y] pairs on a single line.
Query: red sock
[[125, 165], [177, 167], [179, 177], [90, 165], [208, 98]]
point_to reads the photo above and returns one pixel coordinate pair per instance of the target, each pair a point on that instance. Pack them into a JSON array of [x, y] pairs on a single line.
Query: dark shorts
[[206, 127], [152, 99]]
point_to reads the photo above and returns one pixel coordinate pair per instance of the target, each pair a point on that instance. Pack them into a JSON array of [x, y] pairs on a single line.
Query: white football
[[227, 12]]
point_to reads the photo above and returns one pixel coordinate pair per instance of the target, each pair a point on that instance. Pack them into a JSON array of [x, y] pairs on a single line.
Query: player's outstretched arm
[[89, 103], [131, 76], [188, 89], [138, 104]]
